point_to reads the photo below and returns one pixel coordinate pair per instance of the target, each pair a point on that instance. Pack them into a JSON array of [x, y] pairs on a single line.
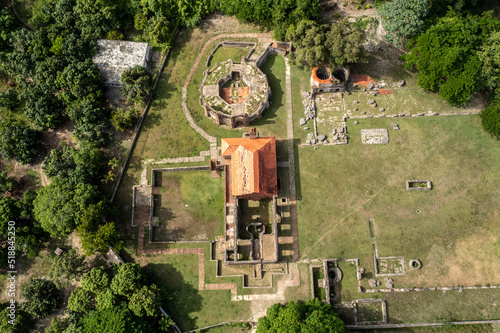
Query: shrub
[[41, 297], [490, 118], [114, 35], [123, 119], [358, 7], [19, 142]]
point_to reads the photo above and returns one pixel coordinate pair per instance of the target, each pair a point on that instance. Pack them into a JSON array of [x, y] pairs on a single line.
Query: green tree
[[57, 325], [41, 297], [113, 320], [22, 321], [310, 41], [59, 205], [344, 42], [145, 301], [100, 241], [9, 99], [446, 55], [69, 265], [7, 26], [6, 182], [489, 55], [123, 119], [311, 317], [403, 19], [19, 142], [96, 280], [105, 300], [490, 118], [127, 280], [338, 44], [43, 110], [80, 79], [8, 212], [166, 323], [80, 300], [84, 165], [97, 17], [136, 84]]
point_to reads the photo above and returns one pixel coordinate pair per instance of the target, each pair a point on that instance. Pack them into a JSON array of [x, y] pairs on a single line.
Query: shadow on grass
[[277, 89], [181, 298], [298, 184]]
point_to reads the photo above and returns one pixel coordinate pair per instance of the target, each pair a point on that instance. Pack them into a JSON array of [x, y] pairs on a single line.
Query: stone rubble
[[309, 107]]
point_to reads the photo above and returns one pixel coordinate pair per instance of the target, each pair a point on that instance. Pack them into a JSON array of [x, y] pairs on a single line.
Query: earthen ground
[[235, 95]]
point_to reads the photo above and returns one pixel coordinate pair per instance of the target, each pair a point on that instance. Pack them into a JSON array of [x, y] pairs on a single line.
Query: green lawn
[[342, 187], [190, 307], [273, 122], [224, 53], [190, 206]]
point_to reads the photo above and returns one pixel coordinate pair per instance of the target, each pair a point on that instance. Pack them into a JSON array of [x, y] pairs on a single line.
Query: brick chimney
[[252, 133]]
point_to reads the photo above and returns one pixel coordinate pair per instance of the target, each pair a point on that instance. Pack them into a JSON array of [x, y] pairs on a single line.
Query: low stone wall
[[412, 188], [238, 44]]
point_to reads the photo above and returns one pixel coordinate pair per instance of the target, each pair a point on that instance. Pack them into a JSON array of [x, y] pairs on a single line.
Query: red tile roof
[[253, 165]]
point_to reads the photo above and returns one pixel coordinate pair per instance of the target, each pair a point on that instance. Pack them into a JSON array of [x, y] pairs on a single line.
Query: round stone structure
[[234, 94]]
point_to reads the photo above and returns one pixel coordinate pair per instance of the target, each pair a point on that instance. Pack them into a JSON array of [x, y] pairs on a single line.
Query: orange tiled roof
[[253, 165]]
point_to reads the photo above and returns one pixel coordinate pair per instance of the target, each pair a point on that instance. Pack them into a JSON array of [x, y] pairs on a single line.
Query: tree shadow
[[152, 120], [277, 89], [181, 298]]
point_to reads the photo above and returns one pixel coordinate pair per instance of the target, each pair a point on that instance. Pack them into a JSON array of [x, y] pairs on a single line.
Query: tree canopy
[[127, 279], [311, 317], [446, 56], [337, 44], [136, 84], [41, 297], [19, 142], [490, 118], [84, 165], [489, 55], [58, 206], [403, 19], [96, 280], [145, 301]]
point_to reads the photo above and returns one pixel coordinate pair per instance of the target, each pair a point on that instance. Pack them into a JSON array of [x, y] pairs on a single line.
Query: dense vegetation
[[52, 82], [337, 44], [311, 317]]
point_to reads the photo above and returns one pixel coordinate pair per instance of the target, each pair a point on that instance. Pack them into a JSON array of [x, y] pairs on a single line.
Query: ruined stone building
[[324, 79], [117, 56], [250, 172]]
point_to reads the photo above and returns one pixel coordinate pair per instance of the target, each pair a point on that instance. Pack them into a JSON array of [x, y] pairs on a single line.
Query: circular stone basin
[[323, 73], [415, 264]]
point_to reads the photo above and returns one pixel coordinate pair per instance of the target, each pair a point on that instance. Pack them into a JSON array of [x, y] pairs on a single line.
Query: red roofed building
[[251, 167]]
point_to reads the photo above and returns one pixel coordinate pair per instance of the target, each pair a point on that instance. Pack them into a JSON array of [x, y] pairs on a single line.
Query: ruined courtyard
[[343, 224]]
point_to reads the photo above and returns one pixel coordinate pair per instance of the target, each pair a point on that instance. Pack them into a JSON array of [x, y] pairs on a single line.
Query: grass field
[[190, 307], [342, 187], [190, 206]]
